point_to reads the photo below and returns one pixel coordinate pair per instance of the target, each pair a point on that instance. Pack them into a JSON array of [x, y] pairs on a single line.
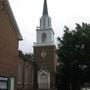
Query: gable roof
[[12, 19]]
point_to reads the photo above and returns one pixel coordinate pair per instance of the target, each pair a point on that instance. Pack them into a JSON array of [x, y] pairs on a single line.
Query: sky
[[62, 12]]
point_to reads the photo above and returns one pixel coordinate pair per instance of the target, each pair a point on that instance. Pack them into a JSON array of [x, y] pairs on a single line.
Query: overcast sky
[[62, 12]]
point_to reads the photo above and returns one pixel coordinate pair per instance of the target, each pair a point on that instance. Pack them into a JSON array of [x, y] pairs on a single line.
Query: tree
[[28, 56], [74, 57]]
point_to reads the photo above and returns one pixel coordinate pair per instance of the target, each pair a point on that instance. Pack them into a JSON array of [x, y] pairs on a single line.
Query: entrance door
[[43, 79], [43, 84]]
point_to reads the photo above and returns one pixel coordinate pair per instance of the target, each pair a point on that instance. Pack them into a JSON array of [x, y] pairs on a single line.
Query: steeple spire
[[45, 20], [45, 8]]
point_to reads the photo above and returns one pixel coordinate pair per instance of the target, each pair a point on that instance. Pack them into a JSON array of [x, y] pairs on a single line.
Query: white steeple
[[45, 34], [45, 20]]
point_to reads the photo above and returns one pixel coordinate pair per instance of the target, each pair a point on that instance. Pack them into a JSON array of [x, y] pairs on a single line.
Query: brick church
[[23, 74], [44, 52]]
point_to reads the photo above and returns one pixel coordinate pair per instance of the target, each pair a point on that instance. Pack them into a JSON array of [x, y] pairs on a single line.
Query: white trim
[[12, 83], [43, 44], [4, 78]]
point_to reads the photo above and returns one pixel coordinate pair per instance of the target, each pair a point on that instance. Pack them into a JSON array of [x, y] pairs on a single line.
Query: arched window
[[19, 73], [26, 74], [44, 22], [44, 36], [32, 74]]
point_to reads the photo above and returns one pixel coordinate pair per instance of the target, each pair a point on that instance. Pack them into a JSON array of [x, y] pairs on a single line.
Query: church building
[[45, 53]]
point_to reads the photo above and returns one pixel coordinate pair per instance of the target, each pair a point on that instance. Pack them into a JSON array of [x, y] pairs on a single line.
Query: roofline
[[12, 18], [30, 61]]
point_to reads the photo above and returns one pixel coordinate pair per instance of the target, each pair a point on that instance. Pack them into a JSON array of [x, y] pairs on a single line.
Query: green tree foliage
[[28, 56], [74, 57]]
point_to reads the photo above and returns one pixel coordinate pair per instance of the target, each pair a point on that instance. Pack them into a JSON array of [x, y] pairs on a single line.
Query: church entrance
[[43, 80]]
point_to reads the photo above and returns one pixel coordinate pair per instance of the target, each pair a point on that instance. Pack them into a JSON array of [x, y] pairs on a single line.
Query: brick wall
[[49, 61], [8, 45], [29, 85]]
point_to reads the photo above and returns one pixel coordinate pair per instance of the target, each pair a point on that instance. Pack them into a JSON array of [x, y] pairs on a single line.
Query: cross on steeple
[[45, 8]]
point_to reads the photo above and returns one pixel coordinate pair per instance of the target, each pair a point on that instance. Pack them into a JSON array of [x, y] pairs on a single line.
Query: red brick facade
[[9, 56], [27, 81], [49, 61], [8, 43]]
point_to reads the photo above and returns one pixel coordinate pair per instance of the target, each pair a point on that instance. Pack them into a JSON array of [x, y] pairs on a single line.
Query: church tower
[[45, 52]]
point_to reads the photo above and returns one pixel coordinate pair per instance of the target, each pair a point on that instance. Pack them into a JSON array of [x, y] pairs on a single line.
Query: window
[[44, 36], [3, 83], [44, 22], [48, 22], [32, 75], [19, 73], [27, 74]]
